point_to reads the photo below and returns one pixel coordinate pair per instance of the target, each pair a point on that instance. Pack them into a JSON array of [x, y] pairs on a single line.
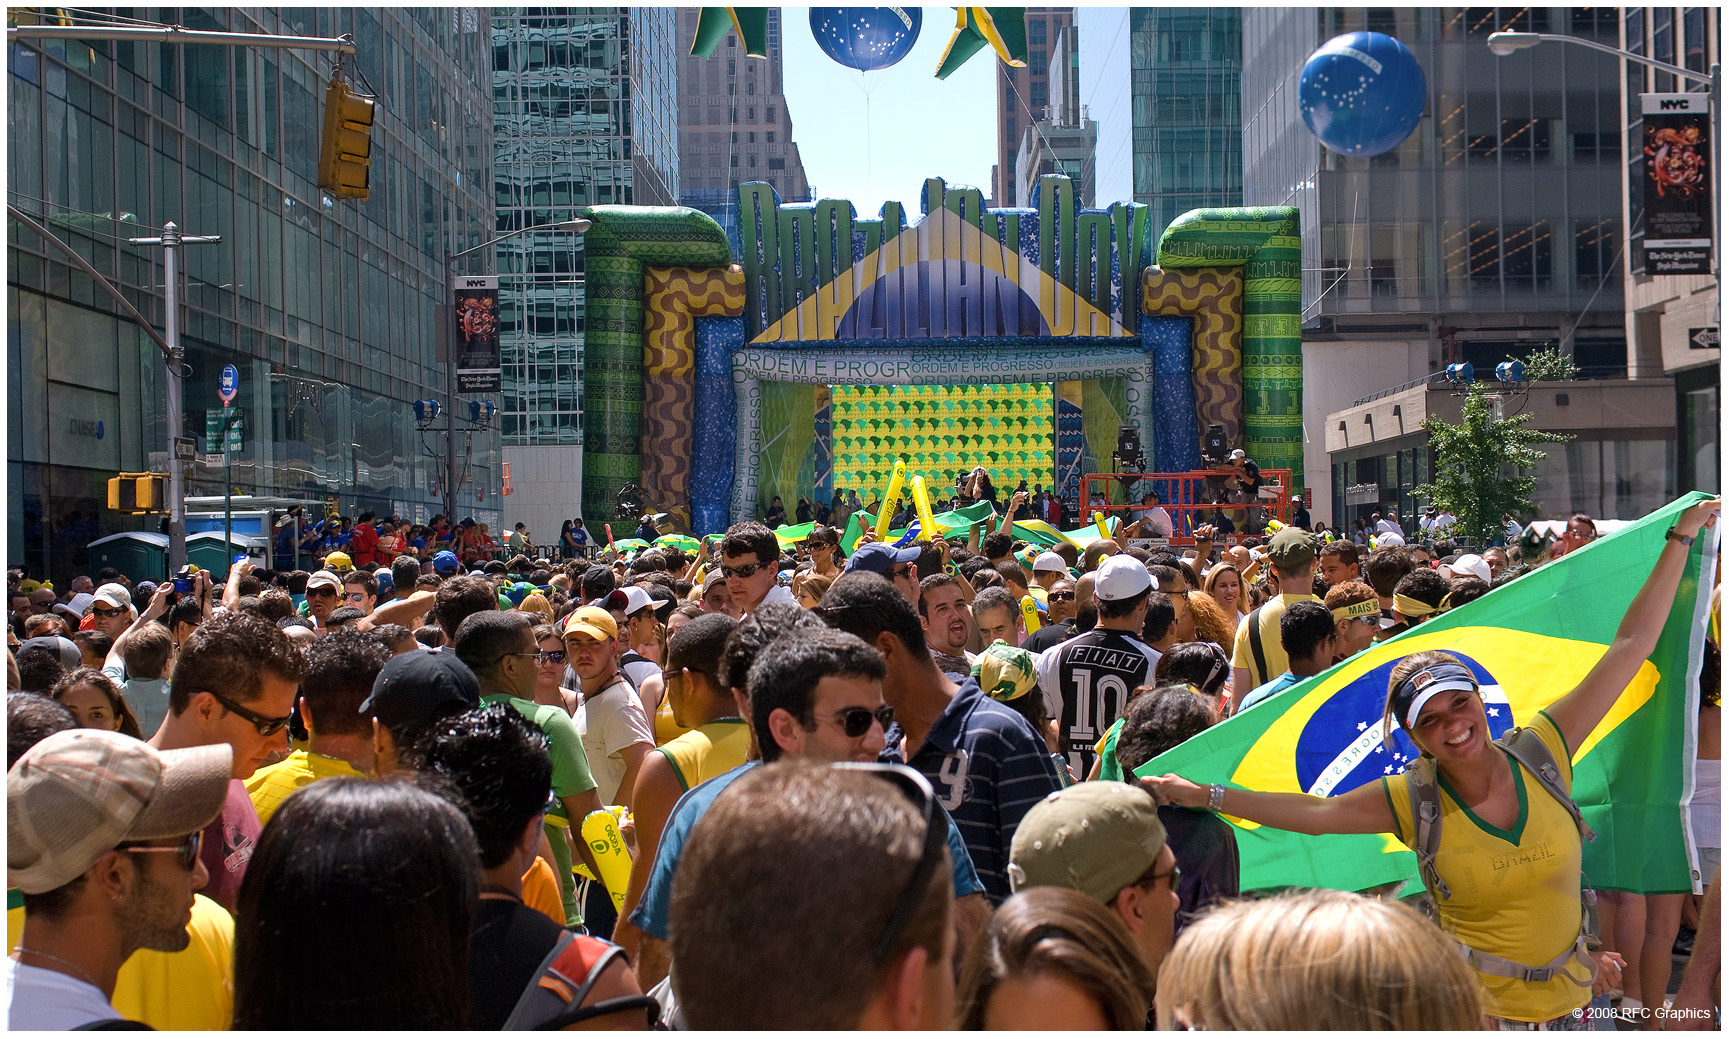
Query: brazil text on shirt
[[654, 911], [988, 768]]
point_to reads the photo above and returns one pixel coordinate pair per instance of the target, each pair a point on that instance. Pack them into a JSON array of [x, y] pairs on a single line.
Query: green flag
[[1529, 643], [751, 24]]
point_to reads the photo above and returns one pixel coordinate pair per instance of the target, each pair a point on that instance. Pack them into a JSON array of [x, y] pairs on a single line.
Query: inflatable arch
[[709, 365]]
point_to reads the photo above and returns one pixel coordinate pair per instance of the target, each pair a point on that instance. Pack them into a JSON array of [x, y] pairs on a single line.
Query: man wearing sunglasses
[[234, 683], [815, 696], [750, 560], [359, 590], [102, 840], [323, 596], [111, 611]]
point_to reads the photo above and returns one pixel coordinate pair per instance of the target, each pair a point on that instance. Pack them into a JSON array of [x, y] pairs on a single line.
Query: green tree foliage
[[1549, 365], [1483, 466]]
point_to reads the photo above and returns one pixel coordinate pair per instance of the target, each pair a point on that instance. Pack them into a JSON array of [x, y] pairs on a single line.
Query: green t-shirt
[[570, 775]]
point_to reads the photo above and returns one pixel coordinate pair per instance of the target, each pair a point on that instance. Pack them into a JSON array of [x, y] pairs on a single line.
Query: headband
[[1413, 607], [1366, 608], [1410, 695]]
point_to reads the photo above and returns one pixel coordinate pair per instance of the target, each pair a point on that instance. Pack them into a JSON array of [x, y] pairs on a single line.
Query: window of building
[[750, 115], [1038, 63], [1663, 46], [1038, 97], [731, 67], [769, 114], [734, 161], [752, 162], [771, 137], [777, 164], [1693, 40], [1594, 251], [751, 136], [750, 88], [1036, 31]]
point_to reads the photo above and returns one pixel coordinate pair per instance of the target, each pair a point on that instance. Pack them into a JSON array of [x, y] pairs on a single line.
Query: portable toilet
[[209, 552], [139, 554]]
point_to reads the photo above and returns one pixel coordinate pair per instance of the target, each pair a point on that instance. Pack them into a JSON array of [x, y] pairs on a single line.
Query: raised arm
[[1577, 713], [1363, 810]]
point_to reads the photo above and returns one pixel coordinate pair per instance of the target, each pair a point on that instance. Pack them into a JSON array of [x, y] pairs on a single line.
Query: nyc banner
[[1678, 175], [478, 365]]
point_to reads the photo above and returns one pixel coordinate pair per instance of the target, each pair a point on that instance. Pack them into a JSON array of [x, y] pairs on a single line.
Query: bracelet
[[1680, 539], [1216, 798]]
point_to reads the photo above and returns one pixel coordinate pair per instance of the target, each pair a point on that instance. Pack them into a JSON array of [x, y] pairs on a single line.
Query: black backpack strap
[[526, 999], [113, 1024], [1254, 623]]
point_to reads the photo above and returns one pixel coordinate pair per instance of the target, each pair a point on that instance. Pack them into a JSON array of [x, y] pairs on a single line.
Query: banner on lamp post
[[1678, 176], [478, 364]]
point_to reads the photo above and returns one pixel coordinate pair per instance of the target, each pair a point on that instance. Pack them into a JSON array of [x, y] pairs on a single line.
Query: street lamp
[[1503, 44], [578, 225]]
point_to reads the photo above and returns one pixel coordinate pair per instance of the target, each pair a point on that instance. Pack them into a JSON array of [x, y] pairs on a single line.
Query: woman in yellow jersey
[[1509, 853]]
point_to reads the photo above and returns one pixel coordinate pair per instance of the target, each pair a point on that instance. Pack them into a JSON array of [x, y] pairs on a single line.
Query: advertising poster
[[477, 354], [1677, 148]]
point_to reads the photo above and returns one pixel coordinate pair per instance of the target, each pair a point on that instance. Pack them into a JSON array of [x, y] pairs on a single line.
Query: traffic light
[[345, 150], [137, 494]]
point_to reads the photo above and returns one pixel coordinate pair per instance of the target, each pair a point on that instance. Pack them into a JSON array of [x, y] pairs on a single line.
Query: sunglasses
[[1060, 596], [186, 849], [550, 656], [266, 726], [856, 721], [742, 570], [320, 593], [1175, 874], [918, 791], [354, 597], [900, 571], [107, 614]]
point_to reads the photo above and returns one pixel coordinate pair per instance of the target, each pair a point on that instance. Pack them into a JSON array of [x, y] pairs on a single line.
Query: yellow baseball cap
[[592, 621]]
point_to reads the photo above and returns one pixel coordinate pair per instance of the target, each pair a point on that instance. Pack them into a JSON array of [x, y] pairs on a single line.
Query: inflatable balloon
[[1362, 93], [866, 38]]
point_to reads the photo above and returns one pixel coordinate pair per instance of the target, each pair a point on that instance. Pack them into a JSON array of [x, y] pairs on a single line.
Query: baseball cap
[[1048, 561], [80, 793], [592, 621], [1120, 577], [878, 558], [1388, 540], [1291, 547], [326, 579], [114, 595], [495, 566], [65, 648], [80, 602], [1096, 838], [418, 687], [1468, 564], [445, 562], [637, 598], [714, 577], [338, 561], [1238, 453]]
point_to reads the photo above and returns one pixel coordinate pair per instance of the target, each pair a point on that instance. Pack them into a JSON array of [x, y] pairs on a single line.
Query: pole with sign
[[227, 388]]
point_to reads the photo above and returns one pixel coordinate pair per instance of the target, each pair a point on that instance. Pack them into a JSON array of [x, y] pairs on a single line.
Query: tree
[[1482, 466], [1548, 365]]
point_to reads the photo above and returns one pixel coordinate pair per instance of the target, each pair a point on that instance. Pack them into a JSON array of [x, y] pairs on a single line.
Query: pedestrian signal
[[345, 150], [137, 494]]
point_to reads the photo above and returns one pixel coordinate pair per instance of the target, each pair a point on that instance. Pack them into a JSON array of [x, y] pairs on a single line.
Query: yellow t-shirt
[[269, 787], [1243, 655], [1514, 894], [665, 729], [187, 991], [708, 751]]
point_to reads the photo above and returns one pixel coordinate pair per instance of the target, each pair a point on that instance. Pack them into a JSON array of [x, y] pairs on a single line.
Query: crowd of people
[[440, 783]]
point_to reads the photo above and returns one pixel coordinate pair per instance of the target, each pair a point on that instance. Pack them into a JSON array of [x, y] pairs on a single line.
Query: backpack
[[1527, 748], [558, 996]]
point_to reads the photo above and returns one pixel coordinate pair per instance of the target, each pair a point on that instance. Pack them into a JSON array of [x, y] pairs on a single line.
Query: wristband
[[1216, 798], [1680, 539]]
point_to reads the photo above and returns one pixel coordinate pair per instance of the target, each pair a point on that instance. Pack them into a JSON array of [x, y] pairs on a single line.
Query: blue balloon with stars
[[866, 38], [1362, 93]]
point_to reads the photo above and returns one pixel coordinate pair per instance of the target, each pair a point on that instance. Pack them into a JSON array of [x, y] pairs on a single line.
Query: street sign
[[185, 448], [1702, 338], [216, 460], [228, 385], [223, 429]]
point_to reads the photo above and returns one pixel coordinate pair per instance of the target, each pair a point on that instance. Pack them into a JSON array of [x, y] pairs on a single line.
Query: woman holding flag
[[1505, 866]]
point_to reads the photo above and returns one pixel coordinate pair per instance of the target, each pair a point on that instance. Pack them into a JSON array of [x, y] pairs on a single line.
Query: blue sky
[[919, 126]]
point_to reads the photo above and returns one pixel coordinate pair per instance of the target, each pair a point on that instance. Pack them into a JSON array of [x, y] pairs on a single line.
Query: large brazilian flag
[[1529, 643]]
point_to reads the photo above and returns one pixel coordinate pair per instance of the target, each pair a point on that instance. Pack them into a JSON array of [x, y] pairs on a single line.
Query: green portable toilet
[[139, 554], [207, 551]]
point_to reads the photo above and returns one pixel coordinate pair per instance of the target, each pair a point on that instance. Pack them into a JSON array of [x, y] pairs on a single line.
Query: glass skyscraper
[[1185, 84], [585, 104], [326, 308]]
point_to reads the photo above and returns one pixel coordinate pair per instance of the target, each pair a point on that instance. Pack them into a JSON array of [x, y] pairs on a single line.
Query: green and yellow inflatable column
[[623, 240], [1266, 242]]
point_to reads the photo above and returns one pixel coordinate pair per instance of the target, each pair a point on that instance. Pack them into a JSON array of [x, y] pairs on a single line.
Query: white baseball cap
[[1120, 577], [636, 598], [1048, 561], [113, 595], [1468, 564]]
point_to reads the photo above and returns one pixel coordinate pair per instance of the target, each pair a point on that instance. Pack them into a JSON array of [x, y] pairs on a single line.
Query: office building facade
[[1023, 94], [1494, 229], [734, 125], [1063, 141], [325, 308], [586, 111]]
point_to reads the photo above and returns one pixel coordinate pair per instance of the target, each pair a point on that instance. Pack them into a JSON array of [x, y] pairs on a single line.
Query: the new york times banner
[[477, 352], [1678, 226]]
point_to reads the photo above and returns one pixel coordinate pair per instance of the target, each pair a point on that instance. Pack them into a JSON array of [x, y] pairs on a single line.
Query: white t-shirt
[[39, 999], [609, 722], [1159, 521], [1389, 526]]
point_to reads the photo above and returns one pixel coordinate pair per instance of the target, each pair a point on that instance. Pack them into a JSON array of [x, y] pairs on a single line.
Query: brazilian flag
[[1529, 643]]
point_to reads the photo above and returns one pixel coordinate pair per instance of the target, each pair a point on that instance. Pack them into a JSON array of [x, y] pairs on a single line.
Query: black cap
[[62, 647], [419, 686]]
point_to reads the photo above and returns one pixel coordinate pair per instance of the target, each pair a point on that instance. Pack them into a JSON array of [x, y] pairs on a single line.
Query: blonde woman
[[809, 586], [1053, 958], [1323, 960], [1523, 917], [1213, 623], [1224, 583]]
